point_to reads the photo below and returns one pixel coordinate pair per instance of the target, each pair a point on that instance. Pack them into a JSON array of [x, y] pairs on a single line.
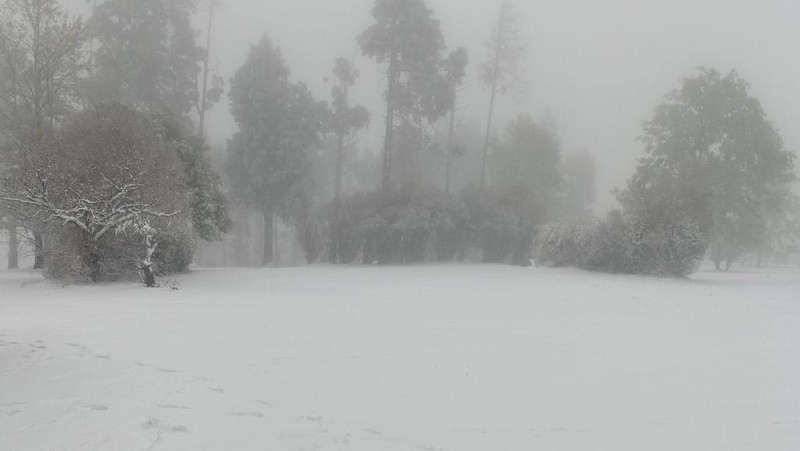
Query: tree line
[[104, 163]]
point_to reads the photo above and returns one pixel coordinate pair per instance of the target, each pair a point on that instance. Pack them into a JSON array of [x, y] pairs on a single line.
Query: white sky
[[600, 66]]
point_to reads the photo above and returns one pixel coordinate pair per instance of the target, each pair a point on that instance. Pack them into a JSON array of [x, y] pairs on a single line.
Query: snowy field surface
[[449, 358]]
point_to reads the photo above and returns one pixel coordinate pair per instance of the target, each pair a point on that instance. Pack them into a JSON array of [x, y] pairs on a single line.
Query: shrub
[[410, 226], [623, 244], [174, 253]]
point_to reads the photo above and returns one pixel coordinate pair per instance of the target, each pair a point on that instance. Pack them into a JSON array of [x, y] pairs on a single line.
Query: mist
[[599, 67], [399, 225]]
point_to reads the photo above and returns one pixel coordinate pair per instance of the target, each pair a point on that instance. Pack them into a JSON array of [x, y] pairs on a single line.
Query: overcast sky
[[599, 66]]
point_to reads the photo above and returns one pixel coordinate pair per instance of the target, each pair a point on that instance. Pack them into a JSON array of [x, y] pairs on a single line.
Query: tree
[[41, 60], [345, 120], [208, 97], [454, 70], [712, 156], [501, 70], [13, 240], [208, 202], [407, 38], [529, 176], [107, 173], [279, 121], [580, 176], [148, 58]]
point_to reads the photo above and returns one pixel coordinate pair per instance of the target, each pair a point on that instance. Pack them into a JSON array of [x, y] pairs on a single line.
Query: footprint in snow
[[13, 404], [97, 407], [173, 406], [161, 427], [247, 414], [217, 390], [103, 356]]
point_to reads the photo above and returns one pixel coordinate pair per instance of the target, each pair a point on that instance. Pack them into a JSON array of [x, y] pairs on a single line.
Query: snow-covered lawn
[[434, 357]]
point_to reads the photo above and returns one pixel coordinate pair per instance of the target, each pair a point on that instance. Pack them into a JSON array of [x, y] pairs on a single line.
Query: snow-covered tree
[[108, 173]]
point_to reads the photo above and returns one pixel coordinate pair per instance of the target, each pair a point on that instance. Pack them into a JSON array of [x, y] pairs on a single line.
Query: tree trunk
[[386, 179], [92, 259], [38, 244], [339, 169], [449, 157], [13, 248], [495, 75], [149, 279], [488, 135], [204, 93], [269, 227]]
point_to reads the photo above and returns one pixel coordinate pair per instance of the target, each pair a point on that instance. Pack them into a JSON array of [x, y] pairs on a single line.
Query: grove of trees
[[104, 163]]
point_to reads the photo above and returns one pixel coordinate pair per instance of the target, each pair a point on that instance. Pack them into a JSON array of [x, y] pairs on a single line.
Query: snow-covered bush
[[623, 244]]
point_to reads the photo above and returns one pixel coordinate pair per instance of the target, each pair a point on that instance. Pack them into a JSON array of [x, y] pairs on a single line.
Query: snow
[[430, 357]]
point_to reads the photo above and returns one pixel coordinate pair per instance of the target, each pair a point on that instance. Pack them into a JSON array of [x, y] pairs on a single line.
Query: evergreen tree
[[501, 70], [407, 38], [279, 121]]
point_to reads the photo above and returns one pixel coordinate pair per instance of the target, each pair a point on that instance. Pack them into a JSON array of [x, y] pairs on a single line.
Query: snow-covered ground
[[434, 357]]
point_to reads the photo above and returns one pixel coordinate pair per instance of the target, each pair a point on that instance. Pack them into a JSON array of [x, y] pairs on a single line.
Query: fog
[[286, 292], [600, 67]]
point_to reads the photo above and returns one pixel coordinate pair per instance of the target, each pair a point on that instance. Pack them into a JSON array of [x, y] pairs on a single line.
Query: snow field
[[437, 357]]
